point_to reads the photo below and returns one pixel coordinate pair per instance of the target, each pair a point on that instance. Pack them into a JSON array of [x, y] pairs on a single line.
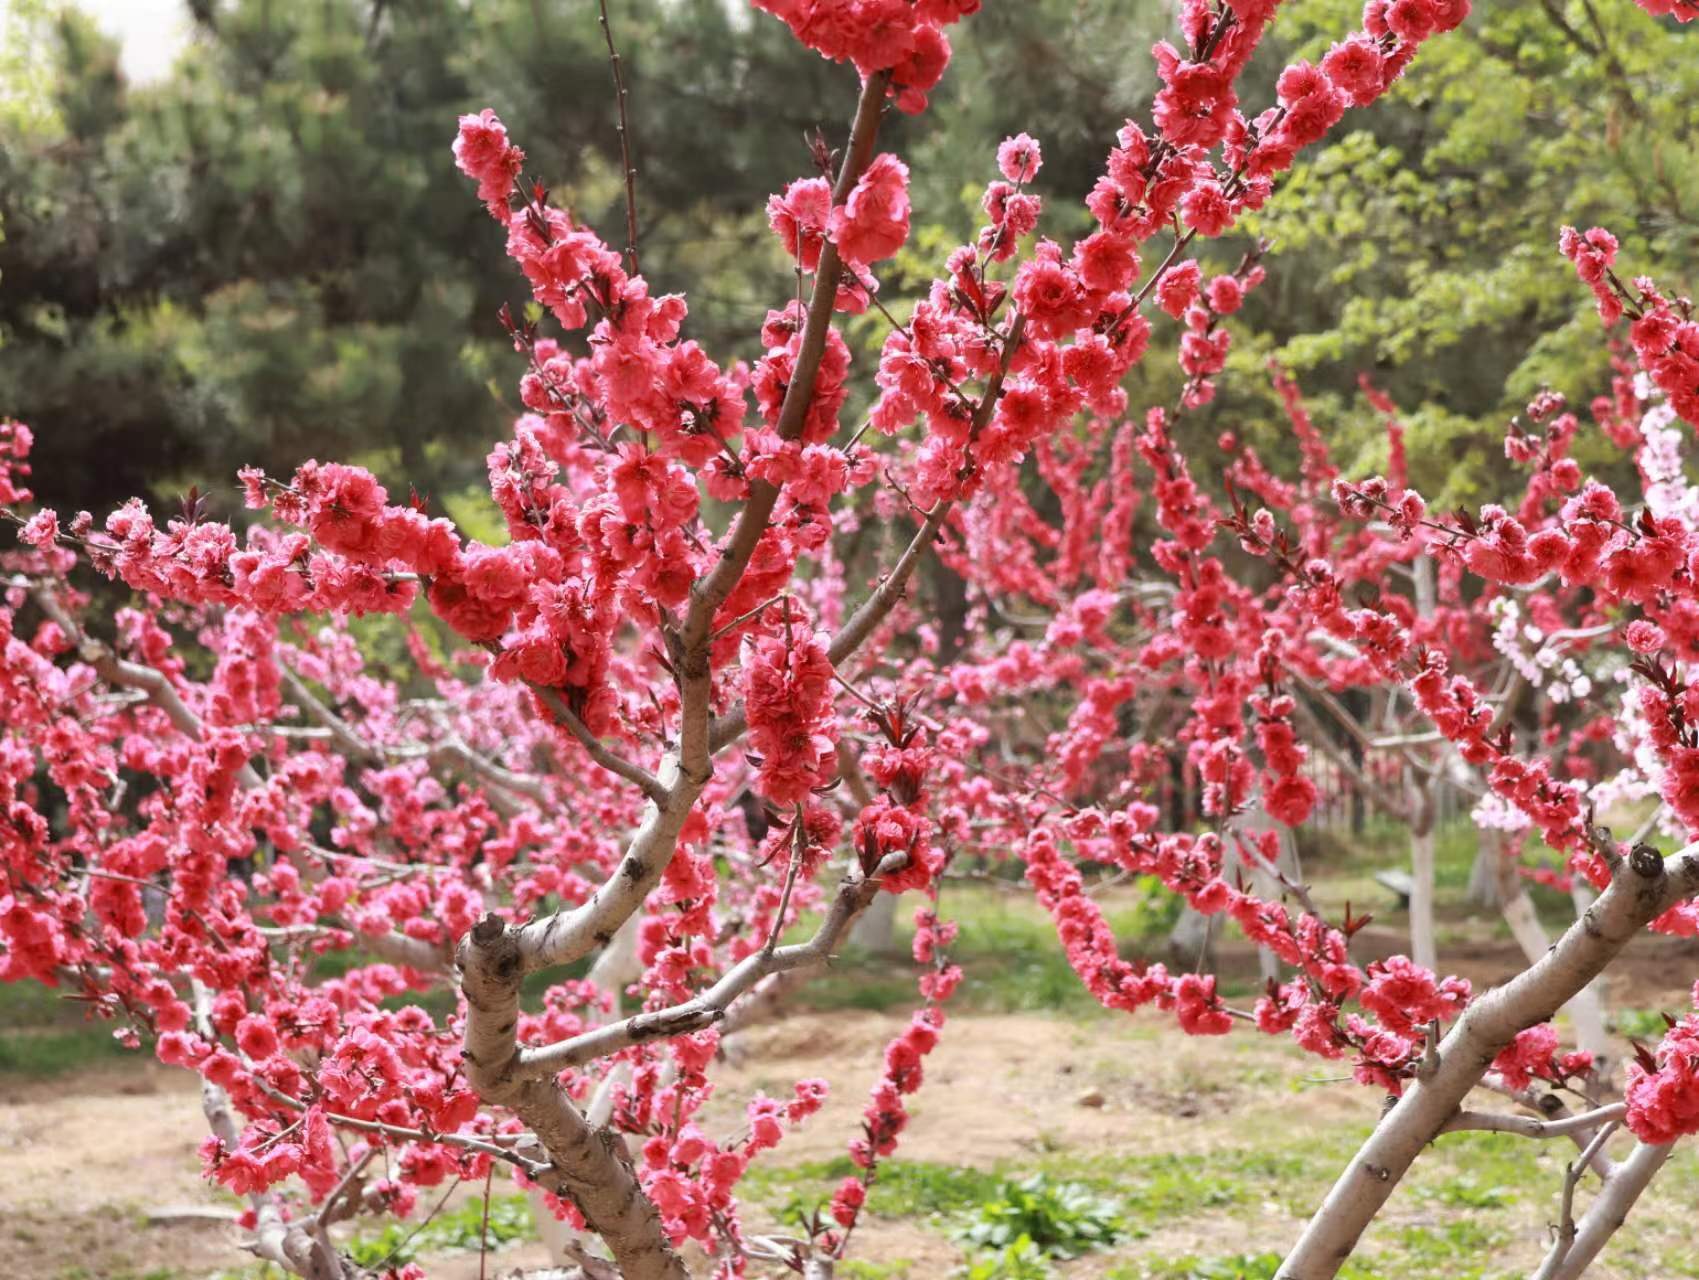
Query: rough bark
[[583, 1164]]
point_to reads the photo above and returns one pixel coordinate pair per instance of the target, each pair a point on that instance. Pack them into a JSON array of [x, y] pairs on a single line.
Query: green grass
[[903, 1189], [1147, 1189], [1238, 1266], [39, 1053], [856, 1269], [1640, 1024], [1342, 869], [458, 1230], [1454, 1252], [1008, 952], [47, 1035], [1470, 1182]]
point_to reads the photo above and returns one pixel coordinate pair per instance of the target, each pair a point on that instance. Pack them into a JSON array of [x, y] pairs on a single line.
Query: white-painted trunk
[[1586, 1010], [876, 930], [1191, 942], [1483, 874], [1423, 949]]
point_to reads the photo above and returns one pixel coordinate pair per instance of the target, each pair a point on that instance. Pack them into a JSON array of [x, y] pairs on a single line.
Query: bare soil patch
[[83, 1158]]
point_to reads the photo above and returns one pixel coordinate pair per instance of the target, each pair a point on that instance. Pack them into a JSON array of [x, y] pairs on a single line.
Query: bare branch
[[1529, 1127], [1577, 1246], [347, 741], [624, 144], [712, 1005], [692, 659], [599, 751]]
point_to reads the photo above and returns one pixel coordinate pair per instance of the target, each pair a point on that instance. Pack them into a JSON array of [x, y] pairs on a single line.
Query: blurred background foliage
[[267, 255]]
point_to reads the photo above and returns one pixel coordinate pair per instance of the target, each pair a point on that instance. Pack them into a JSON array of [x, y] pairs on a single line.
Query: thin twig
[[624, 144]]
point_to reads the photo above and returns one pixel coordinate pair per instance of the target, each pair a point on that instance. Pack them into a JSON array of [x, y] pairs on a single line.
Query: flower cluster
[[1663, 1088], [1664, 334], [787, 688], [903, 37]]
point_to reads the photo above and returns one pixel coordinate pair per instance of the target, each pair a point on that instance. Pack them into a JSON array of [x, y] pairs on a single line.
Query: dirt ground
[[87, 1160]]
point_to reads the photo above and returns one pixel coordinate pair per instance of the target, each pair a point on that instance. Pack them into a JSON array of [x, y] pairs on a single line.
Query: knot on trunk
[[1646, 862]]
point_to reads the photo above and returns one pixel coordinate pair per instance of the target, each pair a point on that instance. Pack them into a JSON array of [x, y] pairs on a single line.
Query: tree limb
[[1641, 889]]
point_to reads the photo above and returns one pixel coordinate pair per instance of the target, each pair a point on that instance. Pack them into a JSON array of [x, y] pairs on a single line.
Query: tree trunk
[[1642, 888], [1422, 946], [1483, 875], [584, 1164], [614, 968], [876, 931], [1191, 943]]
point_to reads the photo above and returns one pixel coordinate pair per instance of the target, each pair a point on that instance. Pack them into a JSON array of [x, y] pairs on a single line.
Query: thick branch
[[397, 948], [1642, 889], [567, 935], [587, 1166]]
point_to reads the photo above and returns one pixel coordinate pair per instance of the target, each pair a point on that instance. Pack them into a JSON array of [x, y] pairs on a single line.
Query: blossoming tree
[[207, 792]]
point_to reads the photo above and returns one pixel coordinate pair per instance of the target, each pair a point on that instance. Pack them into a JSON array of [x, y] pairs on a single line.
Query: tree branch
[[1642, 888], [1577, 1246], [599, 751], [712, 1005], [872, 611], [709, 593], [624, 144], [1529, 1127]]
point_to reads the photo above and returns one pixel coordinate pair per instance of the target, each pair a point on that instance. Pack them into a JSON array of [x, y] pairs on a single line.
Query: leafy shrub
[[1640, 1024], [1062, 1219], [1020, 1259]]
